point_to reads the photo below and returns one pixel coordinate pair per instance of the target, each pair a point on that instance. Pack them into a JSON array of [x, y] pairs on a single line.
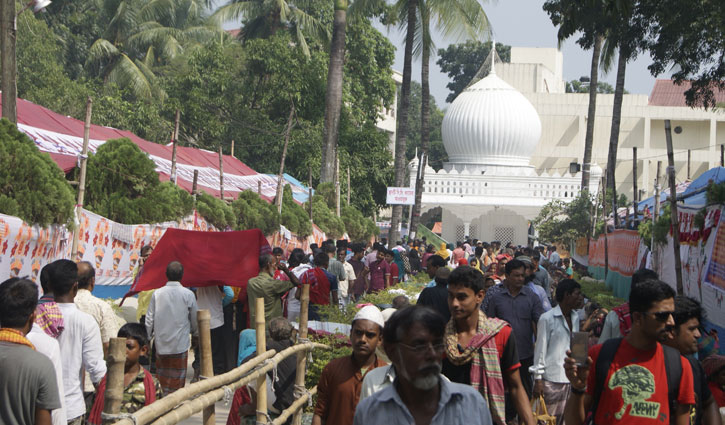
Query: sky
[[523, 23]]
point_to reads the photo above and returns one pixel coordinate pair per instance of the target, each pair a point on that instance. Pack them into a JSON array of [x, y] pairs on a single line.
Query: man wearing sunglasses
[[641, 384], [414, 340]]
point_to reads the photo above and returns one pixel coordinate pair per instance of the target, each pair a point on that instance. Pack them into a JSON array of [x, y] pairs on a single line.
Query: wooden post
[[114, 379], [232, 151], [301, 356], [221, 173], [280, 186], [655, 216], [673, 206], [174, 138], [194, 183], [261, 348], [259, 187], [348, 186], [203, 317], [689, 157], [82, 182], [635, 196], [337, 186]]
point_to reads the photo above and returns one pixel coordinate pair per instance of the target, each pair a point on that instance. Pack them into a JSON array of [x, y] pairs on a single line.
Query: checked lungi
[[555, 396], [171, 371]]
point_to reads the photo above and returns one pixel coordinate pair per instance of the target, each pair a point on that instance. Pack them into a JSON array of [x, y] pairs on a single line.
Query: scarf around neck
[[14, 336], [482, 353]]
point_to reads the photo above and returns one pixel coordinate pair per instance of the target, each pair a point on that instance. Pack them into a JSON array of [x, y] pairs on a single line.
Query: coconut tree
[[454, 18], [141, 35], [261, 19]]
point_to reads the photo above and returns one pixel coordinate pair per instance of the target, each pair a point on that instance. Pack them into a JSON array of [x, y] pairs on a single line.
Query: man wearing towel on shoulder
[[338, 391]]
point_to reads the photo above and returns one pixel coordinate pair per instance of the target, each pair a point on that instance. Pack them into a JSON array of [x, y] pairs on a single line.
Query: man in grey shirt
[[28, 388], [335, 267], [170, 319], [541, 276], [414, 341]]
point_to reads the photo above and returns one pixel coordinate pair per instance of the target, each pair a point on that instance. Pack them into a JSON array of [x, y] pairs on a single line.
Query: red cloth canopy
[[209, 258]]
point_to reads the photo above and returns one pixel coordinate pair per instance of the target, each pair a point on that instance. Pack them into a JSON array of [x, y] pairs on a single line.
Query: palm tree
[[591, 113], [459, 18], [141, 35], [263, 18]]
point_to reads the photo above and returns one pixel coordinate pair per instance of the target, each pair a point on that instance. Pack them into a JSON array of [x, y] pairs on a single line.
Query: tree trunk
[[333, 95], [402, 131], [592, 113], [424, 126], [280, 187], [614, 135]]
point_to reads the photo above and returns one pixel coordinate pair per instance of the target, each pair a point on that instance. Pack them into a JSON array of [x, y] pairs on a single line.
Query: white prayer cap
[[371, 313]]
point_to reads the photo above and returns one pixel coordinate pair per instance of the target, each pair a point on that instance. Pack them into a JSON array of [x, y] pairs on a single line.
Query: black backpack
[[673, 370]]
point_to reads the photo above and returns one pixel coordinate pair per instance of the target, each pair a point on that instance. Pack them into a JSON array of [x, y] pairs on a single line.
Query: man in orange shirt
[[338, 391]]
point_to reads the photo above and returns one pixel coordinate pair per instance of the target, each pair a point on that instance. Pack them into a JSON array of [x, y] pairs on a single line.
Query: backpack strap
[[673, 369], [601, 369]]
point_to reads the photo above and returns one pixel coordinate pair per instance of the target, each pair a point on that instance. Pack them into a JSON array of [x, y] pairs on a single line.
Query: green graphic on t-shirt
[[638, 384]]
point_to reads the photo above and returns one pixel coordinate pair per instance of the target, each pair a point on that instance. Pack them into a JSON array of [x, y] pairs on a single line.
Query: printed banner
[[624, 251], [400, 196], [111, 247], [715, 274]]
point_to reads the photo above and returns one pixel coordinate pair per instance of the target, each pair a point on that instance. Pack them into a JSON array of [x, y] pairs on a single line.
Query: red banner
[[623, 251]]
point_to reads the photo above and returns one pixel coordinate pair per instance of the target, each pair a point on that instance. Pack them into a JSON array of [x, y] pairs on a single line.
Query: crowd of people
[[491, 332]]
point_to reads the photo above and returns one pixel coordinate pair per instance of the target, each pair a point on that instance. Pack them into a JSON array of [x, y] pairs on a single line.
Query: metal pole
[[82, 182], [673, 206], [8, 69], [203, 318], [113, 397], [689, 153], [635, 197], [655, 251]]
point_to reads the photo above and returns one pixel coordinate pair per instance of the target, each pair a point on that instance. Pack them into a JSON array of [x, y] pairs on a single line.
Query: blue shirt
[[431, 284], [522, 312], [458, 404]]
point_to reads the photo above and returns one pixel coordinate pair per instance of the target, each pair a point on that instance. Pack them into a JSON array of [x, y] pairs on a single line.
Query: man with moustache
[[414, 341], [340, 385], [640, 386], [473, 340], [684, 335]]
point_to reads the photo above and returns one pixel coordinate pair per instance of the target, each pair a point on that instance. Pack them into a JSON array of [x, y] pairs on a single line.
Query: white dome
[[491, 123]]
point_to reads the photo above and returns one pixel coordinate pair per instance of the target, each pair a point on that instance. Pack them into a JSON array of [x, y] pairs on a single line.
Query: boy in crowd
[[140, 388]]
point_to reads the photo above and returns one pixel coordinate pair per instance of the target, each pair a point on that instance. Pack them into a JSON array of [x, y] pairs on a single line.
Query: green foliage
[[597, 291], [462, 61], [715, 194], [32, 186], [657, 230], [320, 358], [325, 218], [122, 185], [254, 212], [216, 211], [565, 222], [294, 217], [359, 228]]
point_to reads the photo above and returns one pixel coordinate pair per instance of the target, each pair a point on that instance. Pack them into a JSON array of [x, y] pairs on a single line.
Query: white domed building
[[488, 190]]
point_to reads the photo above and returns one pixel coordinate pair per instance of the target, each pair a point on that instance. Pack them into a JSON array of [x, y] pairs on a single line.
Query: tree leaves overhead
[[27, 178], [462, 61]]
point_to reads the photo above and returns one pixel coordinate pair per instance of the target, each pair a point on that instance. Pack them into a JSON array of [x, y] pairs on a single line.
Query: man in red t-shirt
[[471, 338], [635, 390]]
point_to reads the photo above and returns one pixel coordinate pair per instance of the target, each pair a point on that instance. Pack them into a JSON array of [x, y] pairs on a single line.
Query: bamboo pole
[[232, 150], [116, 360], [191, 406], [259, 187], [348, 186], [635, 196], [261, 347], [203, 318], [295, 407], [194, 183], [673, 206], [280, 176], [174, 138], [689, 158], [148, 413], [301, 357], [82, 182], [722, 155], [337, 186]]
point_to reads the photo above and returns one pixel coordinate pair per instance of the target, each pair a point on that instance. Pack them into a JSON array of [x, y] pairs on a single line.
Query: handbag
[[541, 414]]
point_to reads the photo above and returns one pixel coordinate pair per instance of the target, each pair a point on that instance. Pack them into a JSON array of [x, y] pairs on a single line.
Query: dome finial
[[493, 57]]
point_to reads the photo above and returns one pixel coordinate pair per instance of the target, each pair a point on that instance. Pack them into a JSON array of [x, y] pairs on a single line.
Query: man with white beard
[[413, 339]]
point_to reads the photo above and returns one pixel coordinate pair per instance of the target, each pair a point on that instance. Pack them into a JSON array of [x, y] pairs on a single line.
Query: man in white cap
[[338, 391]]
